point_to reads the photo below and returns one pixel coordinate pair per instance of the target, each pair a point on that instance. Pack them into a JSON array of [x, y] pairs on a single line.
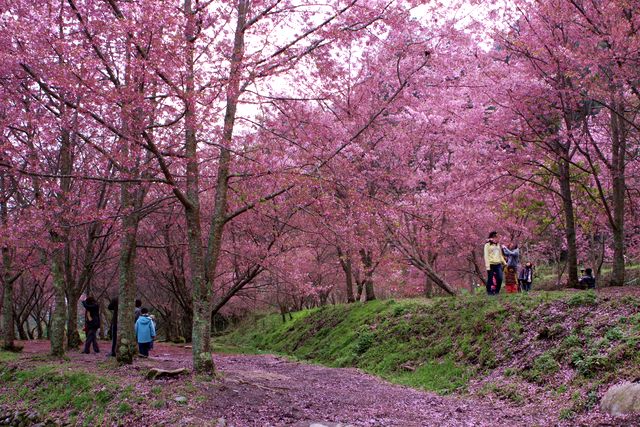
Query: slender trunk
[[345, 262], [564, 177], [60, 239], [58, 317], [126, 340], [367, 264], [22, 334], [618, 139], [8, 329], [359, 286], [428, 287], [73, 336], [201, 329], [203, 361]]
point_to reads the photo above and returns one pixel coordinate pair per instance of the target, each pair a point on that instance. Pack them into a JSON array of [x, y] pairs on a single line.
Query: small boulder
[[180, 399], [622, 399]]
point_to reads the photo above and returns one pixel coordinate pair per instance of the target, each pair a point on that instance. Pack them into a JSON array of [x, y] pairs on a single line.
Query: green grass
[[48, 388], [443, 343], [8, 356], [434, 344]]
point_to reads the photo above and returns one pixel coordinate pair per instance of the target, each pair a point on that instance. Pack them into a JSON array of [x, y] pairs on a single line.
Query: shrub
[[364, 341], [543, 366], [582, 298]]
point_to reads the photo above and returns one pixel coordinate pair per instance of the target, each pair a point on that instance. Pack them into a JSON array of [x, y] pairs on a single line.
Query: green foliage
[[7, 356], [567, 414], [589, 365], [364, 341], [507, 392], [543, 367], [442, 377], [614, 334], [583, 298], [124, 408], [159, 404]]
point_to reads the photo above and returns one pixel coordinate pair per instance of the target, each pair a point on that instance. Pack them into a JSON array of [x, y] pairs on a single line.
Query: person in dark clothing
[[588, 281], [526, 277], [92, 324], [138, 309], [113, 306]]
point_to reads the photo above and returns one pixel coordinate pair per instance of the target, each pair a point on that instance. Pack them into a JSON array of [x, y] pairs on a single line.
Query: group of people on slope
[[144, 326], [503, 264]]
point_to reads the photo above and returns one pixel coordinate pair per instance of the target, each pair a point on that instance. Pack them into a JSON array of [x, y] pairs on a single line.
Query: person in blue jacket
[[145, 332]]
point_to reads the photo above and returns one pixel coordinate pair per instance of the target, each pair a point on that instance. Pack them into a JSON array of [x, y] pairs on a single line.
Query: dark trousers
[[144, 348], [92, 339], [525, 285], [495, 270], [114, 339]]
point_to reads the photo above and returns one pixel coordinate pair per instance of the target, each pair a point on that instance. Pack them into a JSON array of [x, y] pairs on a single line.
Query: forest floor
[[270, 390], [249, 390]]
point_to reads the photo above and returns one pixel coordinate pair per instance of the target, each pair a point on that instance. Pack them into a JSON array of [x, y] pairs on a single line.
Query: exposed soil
[[266, 390]]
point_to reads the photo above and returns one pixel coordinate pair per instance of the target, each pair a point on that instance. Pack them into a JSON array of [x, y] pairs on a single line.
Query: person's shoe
[[143, 356], [84, 352]]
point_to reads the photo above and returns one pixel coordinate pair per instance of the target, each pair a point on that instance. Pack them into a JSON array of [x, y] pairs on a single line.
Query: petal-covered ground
[[265, 390]]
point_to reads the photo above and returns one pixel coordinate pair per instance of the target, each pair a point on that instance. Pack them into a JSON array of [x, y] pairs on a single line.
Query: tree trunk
[[201, 329], [564, 178], [8, 328], [367, 264], [618, 146], [428, 287], [22, 334], [203, 361], [73, 336], [126, 340], [58, 317], [60, 237], [345, 263]]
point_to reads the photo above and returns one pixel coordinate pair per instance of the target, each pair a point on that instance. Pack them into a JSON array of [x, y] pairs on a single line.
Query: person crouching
[[145, 332]]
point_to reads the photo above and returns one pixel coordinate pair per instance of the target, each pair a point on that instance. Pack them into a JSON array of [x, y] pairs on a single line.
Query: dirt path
[[268, 390], [265, 390]]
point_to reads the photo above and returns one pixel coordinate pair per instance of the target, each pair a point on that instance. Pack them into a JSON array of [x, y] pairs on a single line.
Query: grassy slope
[[53, 387], [550, 345]]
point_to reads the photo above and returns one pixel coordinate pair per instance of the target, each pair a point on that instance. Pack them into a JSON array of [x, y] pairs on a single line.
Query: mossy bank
[[564, 346]]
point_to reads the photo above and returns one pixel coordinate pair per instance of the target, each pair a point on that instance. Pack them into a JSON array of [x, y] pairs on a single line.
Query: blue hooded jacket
[[145, 331]]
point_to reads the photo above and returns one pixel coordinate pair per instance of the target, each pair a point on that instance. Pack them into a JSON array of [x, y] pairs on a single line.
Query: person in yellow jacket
[[494, 262]]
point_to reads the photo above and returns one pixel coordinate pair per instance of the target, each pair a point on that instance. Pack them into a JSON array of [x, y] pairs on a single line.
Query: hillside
[[561, 350]]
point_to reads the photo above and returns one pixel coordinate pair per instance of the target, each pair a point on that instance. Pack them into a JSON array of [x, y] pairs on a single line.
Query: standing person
[[138, 309], [92, 324], [513, 259], [494, 262], [145, 332], [113, 306], [512, 253], [588, 281], [526, 277]]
